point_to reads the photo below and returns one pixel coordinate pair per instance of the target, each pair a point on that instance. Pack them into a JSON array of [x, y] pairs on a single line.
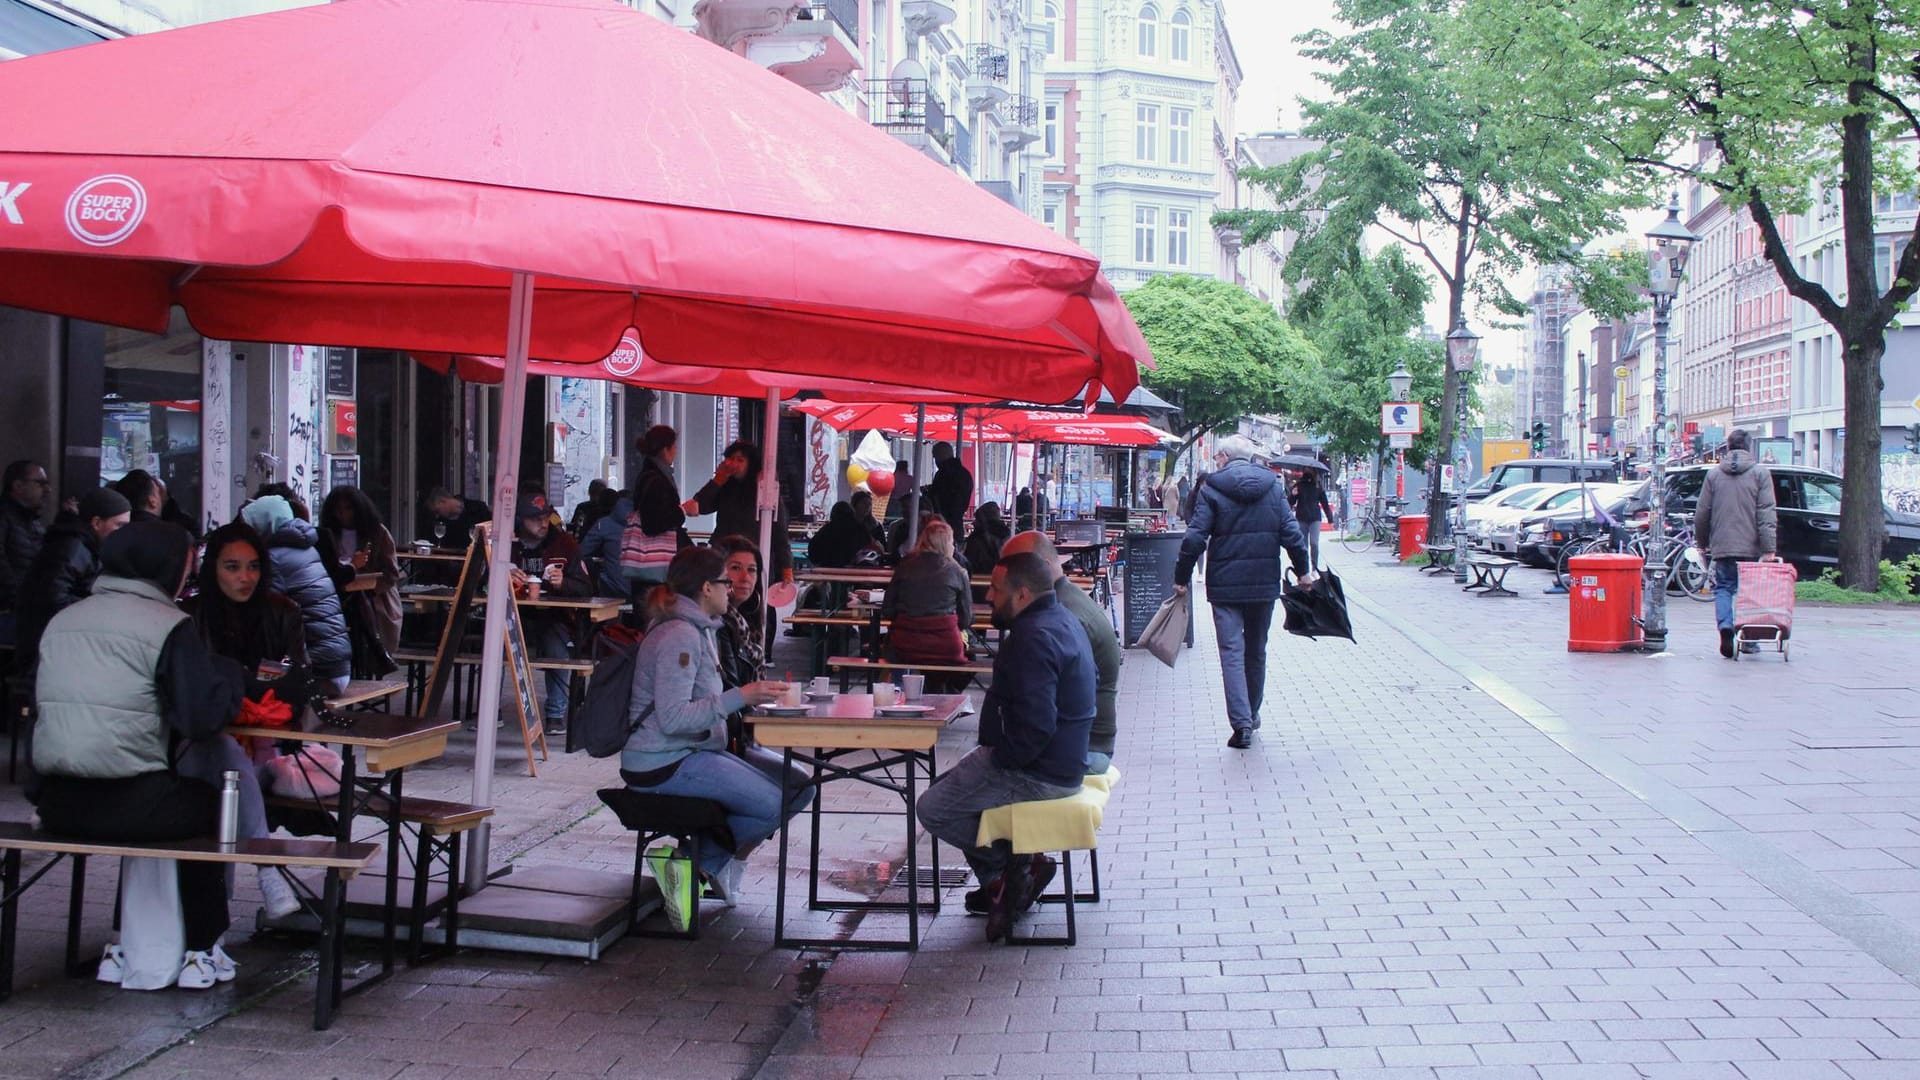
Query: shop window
[[150, 412]]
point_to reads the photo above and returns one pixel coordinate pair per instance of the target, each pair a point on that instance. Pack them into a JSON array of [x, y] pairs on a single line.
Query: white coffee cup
[[820, 685], [794, 695], [913, 686], [885, 694]]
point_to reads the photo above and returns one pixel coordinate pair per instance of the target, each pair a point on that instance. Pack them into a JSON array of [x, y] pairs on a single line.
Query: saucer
[[902, 709], [785, 710]]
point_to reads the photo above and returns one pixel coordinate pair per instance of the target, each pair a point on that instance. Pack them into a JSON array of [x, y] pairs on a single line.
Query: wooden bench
[[338, 862], [847, 665], [1060, 825], [1439, 558], [440, 826], [1490, 573]]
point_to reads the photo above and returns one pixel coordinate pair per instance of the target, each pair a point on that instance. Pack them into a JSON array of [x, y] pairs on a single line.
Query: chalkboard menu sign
[[340, 372], [473, 572], [1149, 581]]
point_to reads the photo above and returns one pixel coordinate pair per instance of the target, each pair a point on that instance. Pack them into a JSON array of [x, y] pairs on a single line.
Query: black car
[[1809, 515], [1543, 534]]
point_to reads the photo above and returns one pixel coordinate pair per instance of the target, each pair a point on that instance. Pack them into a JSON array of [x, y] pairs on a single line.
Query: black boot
[[1726, 644]]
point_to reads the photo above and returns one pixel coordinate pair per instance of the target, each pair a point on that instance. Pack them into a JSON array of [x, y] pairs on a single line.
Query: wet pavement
[[1455, 851]]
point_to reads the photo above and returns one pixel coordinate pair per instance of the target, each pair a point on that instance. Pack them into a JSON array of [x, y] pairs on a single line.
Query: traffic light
[[1539, 436], [1913, 439]]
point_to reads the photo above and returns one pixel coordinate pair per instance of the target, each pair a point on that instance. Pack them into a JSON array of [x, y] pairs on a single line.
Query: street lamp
[[1399, 387], [1463, 349], [1668, 245]]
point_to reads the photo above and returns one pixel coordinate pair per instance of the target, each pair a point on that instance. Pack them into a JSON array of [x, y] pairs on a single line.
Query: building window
[[1050, 131], [1050, 217], [1179, 231], [1050, 27], [1179, 136], [1180, 38], [1146, 222], [1146, 131], [1145, 33]]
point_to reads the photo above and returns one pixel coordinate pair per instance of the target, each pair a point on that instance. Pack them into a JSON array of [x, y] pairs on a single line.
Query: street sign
[[1400, 440], [1400, 418], [1622, 371]]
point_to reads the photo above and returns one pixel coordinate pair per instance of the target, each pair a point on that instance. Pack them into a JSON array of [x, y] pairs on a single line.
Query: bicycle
[[1376, 525], [1680, 568]]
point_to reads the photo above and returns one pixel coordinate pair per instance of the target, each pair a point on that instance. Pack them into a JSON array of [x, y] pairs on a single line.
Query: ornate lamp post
[[1668, 245], [1399, 387], [1463, 349]]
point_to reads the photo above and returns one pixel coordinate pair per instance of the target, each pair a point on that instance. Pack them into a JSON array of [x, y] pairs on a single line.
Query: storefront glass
[[151, 410]]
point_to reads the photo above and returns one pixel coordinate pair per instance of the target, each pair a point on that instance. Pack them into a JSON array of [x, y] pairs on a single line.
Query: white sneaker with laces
[[197, 971], [113, 966], [280, 899], [224, 967]]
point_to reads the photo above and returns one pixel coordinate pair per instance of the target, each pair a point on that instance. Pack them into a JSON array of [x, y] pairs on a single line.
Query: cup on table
[[913, 686], [793, 695], [423, 547], [885, 694], [533, 588], [821, 685], [553, 571]]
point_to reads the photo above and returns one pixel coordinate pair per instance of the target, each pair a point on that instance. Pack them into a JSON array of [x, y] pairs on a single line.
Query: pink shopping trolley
[[1763, 608]]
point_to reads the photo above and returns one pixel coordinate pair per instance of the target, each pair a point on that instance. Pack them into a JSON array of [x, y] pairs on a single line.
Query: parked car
[[1541, 471], [1509, 505], [1809, 514], [1543, 534]]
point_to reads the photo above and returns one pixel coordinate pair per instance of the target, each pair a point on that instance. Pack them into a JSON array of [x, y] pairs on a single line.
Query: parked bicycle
[[1681, 566], [1377, 524]]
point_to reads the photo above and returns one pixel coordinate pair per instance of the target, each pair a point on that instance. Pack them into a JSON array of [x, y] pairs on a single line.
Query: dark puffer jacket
[[61, 577], [299, 573], [21, 535], [1241, 515]]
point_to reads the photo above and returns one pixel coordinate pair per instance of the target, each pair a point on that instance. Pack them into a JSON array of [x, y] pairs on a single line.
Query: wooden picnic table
[[828, 740], [597, 608], [452, 555]]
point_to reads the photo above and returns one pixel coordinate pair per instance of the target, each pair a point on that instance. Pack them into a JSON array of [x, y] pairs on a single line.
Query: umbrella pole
[[506, 461], [913, 497], [769, 493]]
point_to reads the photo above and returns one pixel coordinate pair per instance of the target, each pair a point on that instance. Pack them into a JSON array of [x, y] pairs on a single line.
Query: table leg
[[779, 879], [333, 909], [393, 875], [913, 867], [813, 854]]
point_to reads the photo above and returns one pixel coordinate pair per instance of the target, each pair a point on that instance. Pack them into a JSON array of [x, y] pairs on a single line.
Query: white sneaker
[[725, 885], [197, 971], [224, 967], [113, 966], [280, 899]]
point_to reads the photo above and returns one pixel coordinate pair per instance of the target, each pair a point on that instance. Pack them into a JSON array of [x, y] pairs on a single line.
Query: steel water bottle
[[230, 809]]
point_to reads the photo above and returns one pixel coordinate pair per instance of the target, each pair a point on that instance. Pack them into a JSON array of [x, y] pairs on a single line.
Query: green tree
[[1803, 107], [1219, 353], [1411, 149]]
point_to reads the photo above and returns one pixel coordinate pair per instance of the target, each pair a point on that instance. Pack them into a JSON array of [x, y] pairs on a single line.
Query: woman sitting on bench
[[929, 604], [124, 676], [679, 712]]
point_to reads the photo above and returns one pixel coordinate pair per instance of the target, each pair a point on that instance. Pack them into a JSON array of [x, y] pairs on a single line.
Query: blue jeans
[[1726, 584], [951, 806], [748, 788], [1242, 633]]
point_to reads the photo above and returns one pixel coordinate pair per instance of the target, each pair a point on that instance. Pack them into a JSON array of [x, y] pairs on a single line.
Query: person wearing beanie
[[545, 553], [300, 572], [62, 574], [124, 680]]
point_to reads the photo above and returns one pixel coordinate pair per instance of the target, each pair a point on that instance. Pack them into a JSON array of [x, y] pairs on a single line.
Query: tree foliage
[[1219, 353], [1808, 107], [1412, 149]]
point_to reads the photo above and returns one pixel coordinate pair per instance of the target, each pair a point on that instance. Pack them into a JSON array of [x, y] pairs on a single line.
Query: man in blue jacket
[[1241, 518], [1033, 736]]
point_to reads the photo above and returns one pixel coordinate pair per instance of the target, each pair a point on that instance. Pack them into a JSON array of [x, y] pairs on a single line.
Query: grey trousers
[[950, 808], [1242, 633]]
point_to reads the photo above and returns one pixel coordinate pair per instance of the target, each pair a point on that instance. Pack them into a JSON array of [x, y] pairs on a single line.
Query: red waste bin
[[1413, 533], [1603, 603]]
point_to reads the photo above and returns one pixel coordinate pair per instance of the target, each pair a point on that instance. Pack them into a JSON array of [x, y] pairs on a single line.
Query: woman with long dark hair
[[732, 497], [656, 503], [362, 541]]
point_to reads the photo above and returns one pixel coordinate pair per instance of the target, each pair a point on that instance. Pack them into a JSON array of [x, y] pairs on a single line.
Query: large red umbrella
[[993, 425], [375, 173], [403, 173]]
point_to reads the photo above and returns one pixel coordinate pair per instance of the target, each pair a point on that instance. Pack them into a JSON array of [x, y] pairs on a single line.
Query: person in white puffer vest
[[124, 680]]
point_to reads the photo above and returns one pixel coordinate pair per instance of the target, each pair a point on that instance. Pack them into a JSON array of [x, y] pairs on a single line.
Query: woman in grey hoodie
[[679, 713]]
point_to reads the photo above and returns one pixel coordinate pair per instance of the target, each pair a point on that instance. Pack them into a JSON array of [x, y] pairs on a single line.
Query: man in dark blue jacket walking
[[1241, 516], [1033, 737]]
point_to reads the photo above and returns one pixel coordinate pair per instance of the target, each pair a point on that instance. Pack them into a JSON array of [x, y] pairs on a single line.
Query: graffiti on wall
[[216, 434], [303, 469], [820, 454], [579, 406]]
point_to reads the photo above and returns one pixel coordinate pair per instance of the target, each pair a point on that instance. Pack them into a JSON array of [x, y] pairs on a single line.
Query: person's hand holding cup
[[764, 692], [554, 572]]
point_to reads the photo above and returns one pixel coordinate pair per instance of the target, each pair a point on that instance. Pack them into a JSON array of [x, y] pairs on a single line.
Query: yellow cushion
[[1106, 780], [1068, 824]]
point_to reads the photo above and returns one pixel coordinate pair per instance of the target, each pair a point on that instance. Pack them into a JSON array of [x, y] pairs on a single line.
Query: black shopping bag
[[1317, 610]]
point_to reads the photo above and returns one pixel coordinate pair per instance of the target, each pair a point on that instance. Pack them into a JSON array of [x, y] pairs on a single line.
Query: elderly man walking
[[1241, 516], [1736, 521]]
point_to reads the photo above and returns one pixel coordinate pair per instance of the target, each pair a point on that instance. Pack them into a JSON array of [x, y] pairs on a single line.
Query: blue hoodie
[[601, 550]]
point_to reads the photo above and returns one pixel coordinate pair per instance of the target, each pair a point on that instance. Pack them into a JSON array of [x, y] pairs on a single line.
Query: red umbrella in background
[[994, 425], [432, 174]]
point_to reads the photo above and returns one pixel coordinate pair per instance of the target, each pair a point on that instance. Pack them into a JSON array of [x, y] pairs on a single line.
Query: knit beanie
[[103, 503]]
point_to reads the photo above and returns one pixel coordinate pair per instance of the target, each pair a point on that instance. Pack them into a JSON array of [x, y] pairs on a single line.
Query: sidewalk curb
[[1879, 935]]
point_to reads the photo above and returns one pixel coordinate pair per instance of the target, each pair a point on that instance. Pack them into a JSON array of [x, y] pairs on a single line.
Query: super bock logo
[[106, 209], [625, 359]]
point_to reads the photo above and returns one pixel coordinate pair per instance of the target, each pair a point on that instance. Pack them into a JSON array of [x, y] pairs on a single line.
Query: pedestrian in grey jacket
[[1736, 520], [679, 711]]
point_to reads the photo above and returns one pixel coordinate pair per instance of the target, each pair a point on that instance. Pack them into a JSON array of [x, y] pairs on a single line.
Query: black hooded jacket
[[1241, 517]]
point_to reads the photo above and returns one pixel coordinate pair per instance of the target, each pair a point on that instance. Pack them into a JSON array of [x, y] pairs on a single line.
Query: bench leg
[[1066, 898], [450, 921], [417, 919], [326, 990], [9, 918], [76, 897]]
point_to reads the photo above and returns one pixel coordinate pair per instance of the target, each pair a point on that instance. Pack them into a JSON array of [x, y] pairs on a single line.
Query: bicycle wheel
[[1577, 546], [1695, 579], [1357, 536]]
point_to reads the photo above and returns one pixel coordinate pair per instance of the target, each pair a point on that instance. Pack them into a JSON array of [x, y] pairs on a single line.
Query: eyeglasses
[[720, 581]]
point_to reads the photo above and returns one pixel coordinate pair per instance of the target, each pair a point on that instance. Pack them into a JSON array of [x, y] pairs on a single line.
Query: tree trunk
[[1863, 523]]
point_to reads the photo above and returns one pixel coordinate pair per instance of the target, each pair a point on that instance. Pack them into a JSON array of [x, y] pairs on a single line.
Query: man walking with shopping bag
[[1736, 521], [1241, 516]]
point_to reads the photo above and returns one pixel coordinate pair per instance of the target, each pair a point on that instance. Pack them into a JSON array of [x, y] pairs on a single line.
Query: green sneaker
[[676, 878]]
